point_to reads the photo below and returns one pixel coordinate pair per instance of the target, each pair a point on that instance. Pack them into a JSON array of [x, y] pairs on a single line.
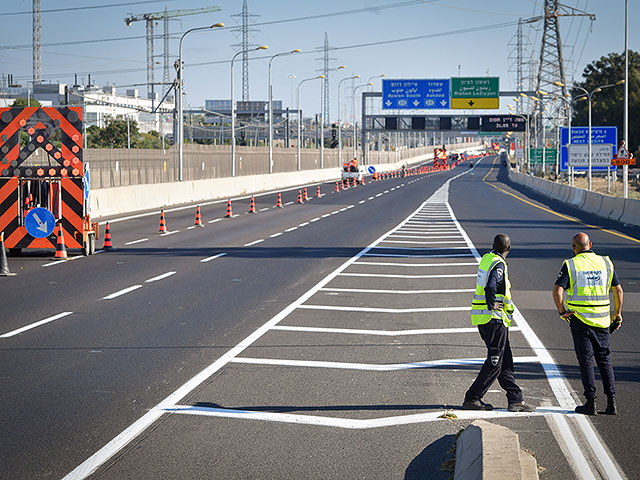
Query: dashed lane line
[[122, 292], [137, 241], [255, 242], [160, 277], [275, 235], [36, 324], [208, 259]]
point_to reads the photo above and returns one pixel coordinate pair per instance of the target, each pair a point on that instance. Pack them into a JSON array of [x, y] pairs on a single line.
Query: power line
[[90, 7]]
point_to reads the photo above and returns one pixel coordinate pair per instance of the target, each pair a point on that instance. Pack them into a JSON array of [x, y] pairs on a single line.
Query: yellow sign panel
[[475, 103]]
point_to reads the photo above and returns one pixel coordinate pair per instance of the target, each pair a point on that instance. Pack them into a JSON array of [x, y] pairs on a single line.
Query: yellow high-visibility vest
[[480, 313], [590, 278]]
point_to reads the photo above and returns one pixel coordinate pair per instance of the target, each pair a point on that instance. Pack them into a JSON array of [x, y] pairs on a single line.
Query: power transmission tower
[[37, 42], [166, 77], [516, 58], [244, 45], [326, 60]]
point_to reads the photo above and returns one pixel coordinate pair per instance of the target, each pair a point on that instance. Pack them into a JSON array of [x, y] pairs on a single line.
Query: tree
[[23, 102], [607, 106], [115, 134]]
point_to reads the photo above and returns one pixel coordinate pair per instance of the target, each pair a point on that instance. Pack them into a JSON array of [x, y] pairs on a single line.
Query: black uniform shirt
[[564, 281], [495, 283]]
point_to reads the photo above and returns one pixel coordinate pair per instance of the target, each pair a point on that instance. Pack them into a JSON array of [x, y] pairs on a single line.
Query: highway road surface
[[325, 340]]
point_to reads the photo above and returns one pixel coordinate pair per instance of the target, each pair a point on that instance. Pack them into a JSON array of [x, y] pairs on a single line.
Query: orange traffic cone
[[354, 182], [279, 202], [198, 222], [318, 191], [61, 250], [163, 224], [252, 207], [337, 186], [107, 238], [300, 196], [229, 209], [362, 180], [305, 197], [342, 185]]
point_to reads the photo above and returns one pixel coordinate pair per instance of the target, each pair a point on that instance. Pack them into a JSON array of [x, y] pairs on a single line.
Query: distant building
[[254, 110]]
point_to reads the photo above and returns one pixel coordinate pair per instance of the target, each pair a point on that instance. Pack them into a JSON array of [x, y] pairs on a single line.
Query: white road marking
[[385, 310], [304, 224], [399, 292], [276, 235], [390, 264], [314, 219], [397, 255], [291, 229], [137, 241], [289, 203], [191, 227], [169, 233], [424, 236], [384, 333], [36, 324], [255, 242], [214, 220], [361, 202], [389, 275], [208, 259], [415, 242], [57, 262], [326, 215], [370, 198], [122, 292], [264, 209], [379, 195], [335, 211], [343, 209], [373, 367], [404, 249], [160, 277]]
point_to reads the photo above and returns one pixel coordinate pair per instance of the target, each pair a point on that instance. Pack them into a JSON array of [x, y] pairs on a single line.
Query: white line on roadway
[[137, 241], [160, 277], [314, 219], [36, 324], [255, 242], [397, 255], [415, 242], [122, 292], [398, 292], [208, 259], [289, 203], [361, 202], [384, 333], [291, 229], [276, 235], [385, 310], [57, 262], [169, 233], [214, 220], [304, 224], [389, 275], [452, 264], [264, 209]]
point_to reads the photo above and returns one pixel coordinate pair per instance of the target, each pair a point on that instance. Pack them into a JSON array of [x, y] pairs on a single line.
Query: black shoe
[[476, 405], [611, 409], [521, 407], [589, 408]]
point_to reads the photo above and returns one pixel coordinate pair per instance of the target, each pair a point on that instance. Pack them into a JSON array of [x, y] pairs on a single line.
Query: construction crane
[[150, 18]]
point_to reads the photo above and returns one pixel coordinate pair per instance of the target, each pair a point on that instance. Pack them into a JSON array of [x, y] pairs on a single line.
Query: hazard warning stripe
[[14, 125], [8, 216], [14, 238], [66, 126], [75, 191], [42, 243], [8, 188], [69, 239]]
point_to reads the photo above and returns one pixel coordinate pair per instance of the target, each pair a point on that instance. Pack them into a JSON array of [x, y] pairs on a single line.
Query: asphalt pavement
[[322, 340]]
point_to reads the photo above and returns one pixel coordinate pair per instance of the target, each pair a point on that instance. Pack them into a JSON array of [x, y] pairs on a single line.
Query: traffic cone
[[279, 202], [4, 264], [318, 191], [354, 182], [300, 196], [107, 238], [362, 181], [61, 250], [252, 207], [229, 209], [198, 222], [163, 224], [342, 185], [306, 197], [337, 186]]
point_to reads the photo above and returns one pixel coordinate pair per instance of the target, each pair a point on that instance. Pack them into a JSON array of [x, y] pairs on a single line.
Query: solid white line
[[415, 242], [122, 292], [208, 259], [373, 367], [421, 249], [389, 264], [36, 324], [291, 229], [384, 333], [137, 241], [397, 255], [398, 292], [389, 275], [160, 277], [385, 310], [255, 242], [169, 233], [276, 235]]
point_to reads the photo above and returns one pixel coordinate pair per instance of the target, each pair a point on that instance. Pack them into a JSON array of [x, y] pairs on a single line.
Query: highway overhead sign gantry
[[416, 94], [475, 92]]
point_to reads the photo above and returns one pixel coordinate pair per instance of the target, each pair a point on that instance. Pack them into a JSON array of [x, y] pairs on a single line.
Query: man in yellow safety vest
[[587, 278], [491, 311]]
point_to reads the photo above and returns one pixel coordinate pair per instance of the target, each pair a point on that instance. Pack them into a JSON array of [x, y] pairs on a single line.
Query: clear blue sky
[[439, 56]]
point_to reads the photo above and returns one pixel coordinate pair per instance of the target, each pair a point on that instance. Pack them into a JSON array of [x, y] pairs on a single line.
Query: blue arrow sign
[[371, 169], [87, 184], [39, 222], [417, 94], [580, 136]]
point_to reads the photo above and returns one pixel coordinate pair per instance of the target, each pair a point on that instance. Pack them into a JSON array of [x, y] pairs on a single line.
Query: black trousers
[[593, 343], [498, 365]]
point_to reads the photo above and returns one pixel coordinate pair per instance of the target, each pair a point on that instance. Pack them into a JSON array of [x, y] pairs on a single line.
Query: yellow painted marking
[[566, 217], [463, 103]]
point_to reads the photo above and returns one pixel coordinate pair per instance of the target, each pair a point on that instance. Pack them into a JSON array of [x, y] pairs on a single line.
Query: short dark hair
[[501, 243]]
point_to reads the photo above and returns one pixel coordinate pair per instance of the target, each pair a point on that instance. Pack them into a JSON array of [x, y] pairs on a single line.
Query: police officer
[[587, 278], [491, 311]]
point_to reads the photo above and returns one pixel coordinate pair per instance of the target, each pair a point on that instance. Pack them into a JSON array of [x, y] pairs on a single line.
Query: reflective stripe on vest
[[480, 313], [590, 277]]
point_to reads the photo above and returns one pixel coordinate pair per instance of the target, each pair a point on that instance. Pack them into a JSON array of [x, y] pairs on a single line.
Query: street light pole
[[375, 76], [340, 119], [300, 114], [233, 110], [179, 93], [355, 128], [270, 99], [625, 126]]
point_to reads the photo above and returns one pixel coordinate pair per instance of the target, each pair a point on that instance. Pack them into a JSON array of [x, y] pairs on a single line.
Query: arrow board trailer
[[43, 180], [416, 94]]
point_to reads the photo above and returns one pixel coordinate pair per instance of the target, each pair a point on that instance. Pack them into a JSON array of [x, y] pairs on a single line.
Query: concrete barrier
[[486, 451], [592, 202], [577, 196], [611, 208], [631, 212]]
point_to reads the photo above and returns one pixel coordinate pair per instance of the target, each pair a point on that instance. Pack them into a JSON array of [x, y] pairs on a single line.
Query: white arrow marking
[[388, 103], [41, 226]]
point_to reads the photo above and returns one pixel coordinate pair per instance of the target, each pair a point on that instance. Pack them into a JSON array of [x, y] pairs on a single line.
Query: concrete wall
[[605, 206], [107, 202]]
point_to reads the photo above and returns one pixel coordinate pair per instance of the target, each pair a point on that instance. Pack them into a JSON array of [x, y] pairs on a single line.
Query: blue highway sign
[[39, 222], [417, 94], [580, 136]]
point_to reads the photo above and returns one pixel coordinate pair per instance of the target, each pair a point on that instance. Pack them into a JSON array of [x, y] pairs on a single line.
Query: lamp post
[[270, 98], [179, 94], [340, 119], [355, 129], [233, 110], [375, 76], [625, 122], [300, 113]]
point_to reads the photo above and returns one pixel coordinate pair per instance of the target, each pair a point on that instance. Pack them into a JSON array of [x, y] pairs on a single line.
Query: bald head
[[581, 242], [502, 243]]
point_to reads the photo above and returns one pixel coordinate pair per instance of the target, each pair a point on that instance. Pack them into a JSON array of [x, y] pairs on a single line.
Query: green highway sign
[[535, 155], [475, 87]]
